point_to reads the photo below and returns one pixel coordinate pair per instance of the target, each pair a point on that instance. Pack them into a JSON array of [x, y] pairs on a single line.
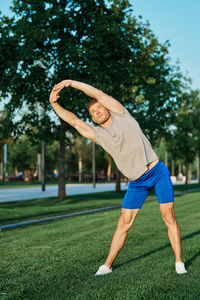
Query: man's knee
[[167, 212], [127, 218]]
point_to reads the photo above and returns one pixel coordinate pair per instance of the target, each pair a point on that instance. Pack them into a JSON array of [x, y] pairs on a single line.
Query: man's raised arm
[[82, 127], [106, 100]]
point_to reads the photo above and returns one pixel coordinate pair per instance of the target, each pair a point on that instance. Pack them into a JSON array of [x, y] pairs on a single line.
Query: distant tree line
[[24, 158]]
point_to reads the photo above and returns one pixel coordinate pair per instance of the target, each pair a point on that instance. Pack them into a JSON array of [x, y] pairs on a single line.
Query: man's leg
[[124, 224], [168, 215], [174, 234], [165, 194]]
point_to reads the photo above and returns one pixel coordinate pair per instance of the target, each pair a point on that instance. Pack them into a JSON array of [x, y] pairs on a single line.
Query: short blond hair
[[93, 101]]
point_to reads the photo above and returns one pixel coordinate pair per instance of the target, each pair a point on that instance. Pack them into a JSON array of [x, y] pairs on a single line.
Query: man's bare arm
[[104, 99], [82, 127]]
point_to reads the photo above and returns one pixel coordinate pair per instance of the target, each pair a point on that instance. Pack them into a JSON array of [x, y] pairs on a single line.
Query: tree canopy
[[95, 41]]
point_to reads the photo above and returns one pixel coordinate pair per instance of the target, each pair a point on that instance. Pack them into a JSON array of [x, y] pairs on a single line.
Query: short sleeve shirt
[[124, 140]]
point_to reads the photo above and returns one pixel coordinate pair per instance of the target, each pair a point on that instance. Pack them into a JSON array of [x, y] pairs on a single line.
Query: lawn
[[57, 260], [19, 211]]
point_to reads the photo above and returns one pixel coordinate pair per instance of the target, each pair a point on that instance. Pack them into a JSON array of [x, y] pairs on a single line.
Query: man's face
[[99, 113]]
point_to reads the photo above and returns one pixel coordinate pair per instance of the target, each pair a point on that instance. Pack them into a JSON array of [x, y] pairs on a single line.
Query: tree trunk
[[80, 168], [16, 171], [43, 166], [117, 185], [5, 163], [61, 167], [109, 170], [188, 172], [39, 167], [172, 167], [1, 171], [94, 164], [198, 167], [166, 159]]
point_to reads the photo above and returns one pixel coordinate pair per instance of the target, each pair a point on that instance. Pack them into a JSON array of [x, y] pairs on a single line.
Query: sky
[[175, 20], [179, 22]]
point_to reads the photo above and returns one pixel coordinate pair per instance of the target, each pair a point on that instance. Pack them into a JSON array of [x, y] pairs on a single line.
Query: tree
[[184, 136], [195, 94], [80, 148], [99, 42], [109, 165], [5, 138], [156, 93], [22, 155]]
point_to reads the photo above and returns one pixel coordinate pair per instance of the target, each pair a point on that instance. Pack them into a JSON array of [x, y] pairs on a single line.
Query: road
[[17, 194]]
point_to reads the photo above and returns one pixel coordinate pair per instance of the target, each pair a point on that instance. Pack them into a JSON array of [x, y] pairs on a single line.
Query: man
[[120, 135]]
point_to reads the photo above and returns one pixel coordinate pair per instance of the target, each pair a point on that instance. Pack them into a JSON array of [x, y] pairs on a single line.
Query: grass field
[[12, 212], [58, 260], [19, 211]]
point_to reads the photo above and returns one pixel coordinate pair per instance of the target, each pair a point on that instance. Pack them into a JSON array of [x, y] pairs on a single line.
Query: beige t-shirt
[[127, 144]]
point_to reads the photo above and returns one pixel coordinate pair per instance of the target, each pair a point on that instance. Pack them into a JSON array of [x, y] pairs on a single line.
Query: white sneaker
[[103, 270], [180, 268]]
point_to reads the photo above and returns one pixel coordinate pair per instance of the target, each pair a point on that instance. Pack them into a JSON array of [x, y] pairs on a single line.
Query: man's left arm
[[104, 99]]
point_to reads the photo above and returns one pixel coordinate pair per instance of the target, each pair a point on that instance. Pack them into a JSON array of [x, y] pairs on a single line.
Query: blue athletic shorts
[[158, 178]]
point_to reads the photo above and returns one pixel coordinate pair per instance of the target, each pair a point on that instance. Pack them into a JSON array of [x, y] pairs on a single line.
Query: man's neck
[[108, 122]]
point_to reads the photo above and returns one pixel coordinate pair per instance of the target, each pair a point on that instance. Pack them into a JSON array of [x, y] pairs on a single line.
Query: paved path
[[16, 194]]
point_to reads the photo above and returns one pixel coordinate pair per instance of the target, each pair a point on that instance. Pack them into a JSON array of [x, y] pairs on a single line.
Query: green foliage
[[51, 157], [5, 131], [22, 155], [196, 120], [96, 41], [99, 42], [82, 149], [100, 159], [184, 140], [160, 149]]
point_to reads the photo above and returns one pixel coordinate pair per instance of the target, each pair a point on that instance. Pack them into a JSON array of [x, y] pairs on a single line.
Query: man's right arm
[[82, 127]]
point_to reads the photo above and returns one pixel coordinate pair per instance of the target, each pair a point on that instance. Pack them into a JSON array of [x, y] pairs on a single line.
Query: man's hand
[[63, 84], [54, 95], [57, 88]]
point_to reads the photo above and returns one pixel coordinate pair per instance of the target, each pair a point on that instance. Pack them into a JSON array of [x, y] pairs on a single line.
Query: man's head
[[98, 112]]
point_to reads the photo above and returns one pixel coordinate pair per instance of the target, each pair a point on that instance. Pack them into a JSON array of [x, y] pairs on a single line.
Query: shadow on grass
[[187, 263], [30, 210], [73, 199], [97, 196], [190, 260]]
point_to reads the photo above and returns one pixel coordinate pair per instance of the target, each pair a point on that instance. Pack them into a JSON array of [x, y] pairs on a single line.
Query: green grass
[[19, 211], [184, 187], [57, 260]]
